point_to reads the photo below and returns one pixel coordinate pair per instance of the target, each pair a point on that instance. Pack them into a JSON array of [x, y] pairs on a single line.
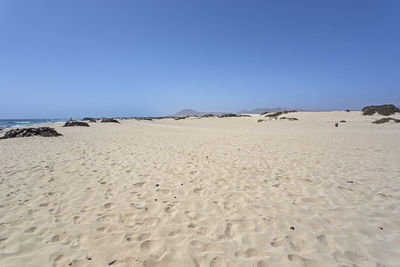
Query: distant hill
[[192, 112]]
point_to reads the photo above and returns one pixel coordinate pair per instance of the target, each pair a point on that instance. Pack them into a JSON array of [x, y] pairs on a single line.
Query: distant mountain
[[262, 110], [192, 112]]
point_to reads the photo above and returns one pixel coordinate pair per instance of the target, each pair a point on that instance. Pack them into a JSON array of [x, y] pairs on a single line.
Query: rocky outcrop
[[384, 110], [28, 132], [71, 123], [107, 120], [89, 119]]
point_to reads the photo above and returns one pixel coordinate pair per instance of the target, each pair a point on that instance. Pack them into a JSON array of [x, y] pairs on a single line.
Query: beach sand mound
[[204, 192]]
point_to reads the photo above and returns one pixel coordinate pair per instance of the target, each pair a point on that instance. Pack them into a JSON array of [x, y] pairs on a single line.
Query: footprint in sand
[[206, 247], [192, 215], [251, 253], [351, 256], [143, 236], [30, 230], [58, 259], [140, 184], [198, 229], [77, 219], [170, 208], [289, 242], [218, 262], [155, 248], [174, 233], [108, 205], [63, 237], [104, 229], [304, 261]]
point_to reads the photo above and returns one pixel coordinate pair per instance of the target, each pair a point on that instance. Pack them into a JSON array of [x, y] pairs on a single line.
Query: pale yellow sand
[[229, 191]]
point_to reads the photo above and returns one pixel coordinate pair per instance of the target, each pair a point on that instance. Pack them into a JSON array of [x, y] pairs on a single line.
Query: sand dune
[[204, 192]]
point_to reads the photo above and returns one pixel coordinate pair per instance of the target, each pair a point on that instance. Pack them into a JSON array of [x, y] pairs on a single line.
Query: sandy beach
[[204, 192]]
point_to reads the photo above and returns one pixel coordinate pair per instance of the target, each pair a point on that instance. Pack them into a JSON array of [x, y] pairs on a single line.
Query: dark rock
[[71, 123], [27, 132], [336, 124], [260, 120], [157, 185], [384, 110], [290, 119], [291, 228], [342, 121], [146, 118], [347, 110], [107, 120], [89, 119], [350, 182], [380, 228], [385, 120]]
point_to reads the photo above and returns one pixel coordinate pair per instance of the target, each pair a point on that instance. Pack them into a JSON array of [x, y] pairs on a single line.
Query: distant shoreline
[[12, 123]]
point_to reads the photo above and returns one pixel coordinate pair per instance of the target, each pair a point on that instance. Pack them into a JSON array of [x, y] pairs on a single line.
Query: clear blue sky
[[120, 58]]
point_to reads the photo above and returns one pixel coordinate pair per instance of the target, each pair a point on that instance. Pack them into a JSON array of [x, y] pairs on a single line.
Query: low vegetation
[[277, 114], [385, 120], [290, 119], [208, 115], [108, 120], [229, 115], [274, 115]]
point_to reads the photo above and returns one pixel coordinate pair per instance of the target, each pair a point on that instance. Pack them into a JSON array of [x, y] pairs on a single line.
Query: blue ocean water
[[4, 123]]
